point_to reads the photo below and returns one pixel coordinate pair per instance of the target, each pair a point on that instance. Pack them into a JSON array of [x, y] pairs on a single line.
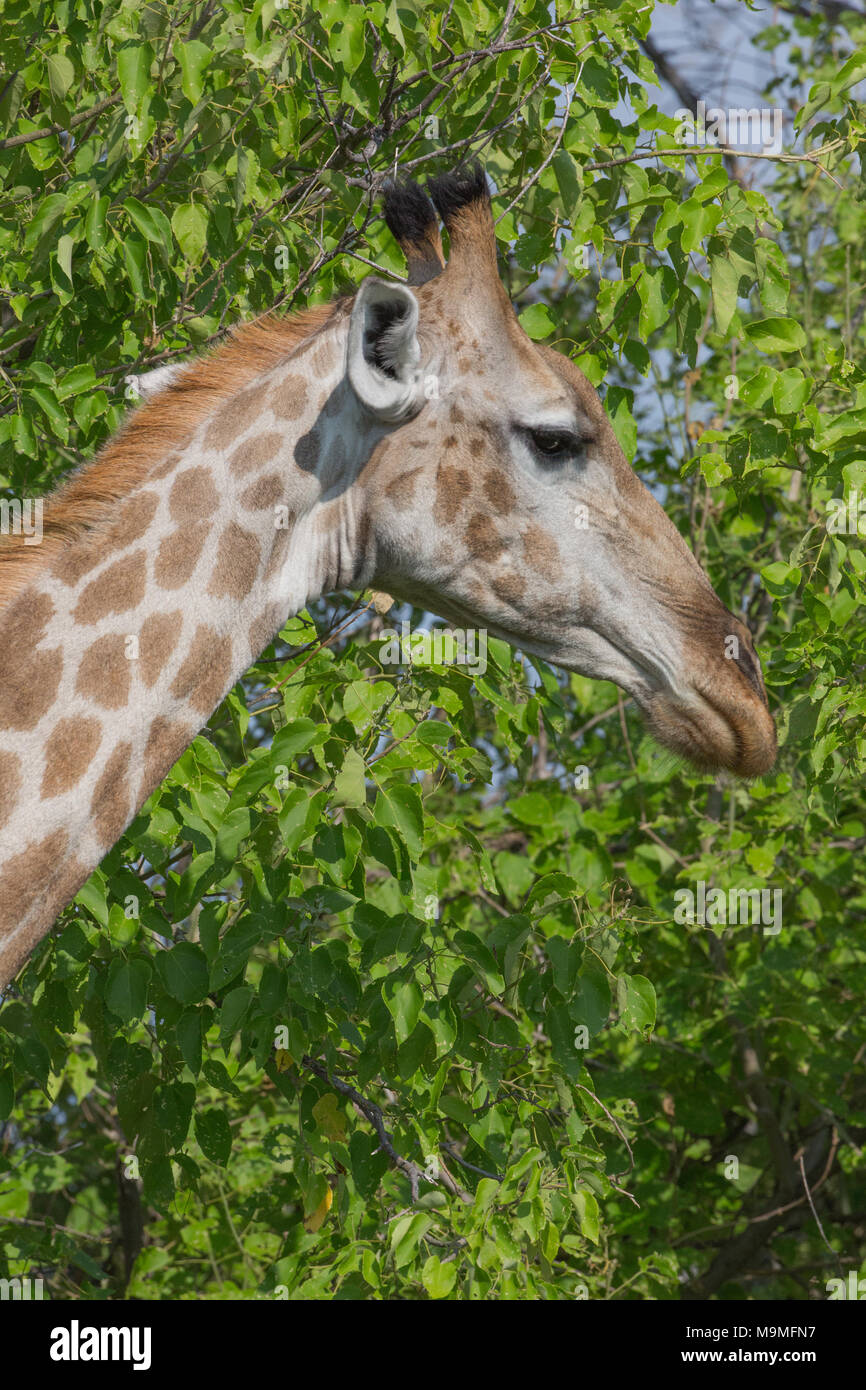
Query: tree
[[383, 994]]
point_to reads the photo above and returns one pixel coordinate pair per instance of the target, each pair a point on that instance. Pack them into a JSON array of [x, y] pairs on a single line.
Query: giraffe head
[[499, 497]]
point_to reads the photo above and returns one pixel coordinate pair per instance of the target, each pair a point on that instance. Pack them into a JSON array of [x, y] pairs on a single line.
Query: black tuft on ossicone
[[451, 192], [408, 211]]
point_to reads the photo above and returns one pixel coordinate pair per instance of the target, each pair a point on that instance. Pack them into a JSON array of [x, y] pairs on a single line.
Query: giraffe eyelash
[[553, 444]]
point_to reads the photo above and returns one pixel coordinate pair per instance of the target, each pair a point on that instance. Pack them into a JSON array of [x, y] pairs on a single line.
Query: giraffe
[[411, 438]]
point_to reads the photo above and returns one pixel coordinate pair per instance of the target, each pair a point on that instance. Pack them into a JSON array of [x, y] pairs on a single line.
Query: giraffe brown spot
[[135, 517], [449, 441], [265, 629], [109, 808], [235, 416], [179, 554], [156, 642], [103, 674], [205, 674], [238, 556], [541, 553], [166, 740], [163, 469], [28, 678], [131, 523], [321, 363], [478, 596], [510, 588], [74, 562], [69, 753], [26, 873], [482, 537], [476, 446], [419, 443], [401, 490], [465, 365], [255, 453], [499, 493], [278, 550], [263, 494], [117, 589], [453, 486], [456, 415], [289, 398], [10, 784], [193, 495], [307, 450]]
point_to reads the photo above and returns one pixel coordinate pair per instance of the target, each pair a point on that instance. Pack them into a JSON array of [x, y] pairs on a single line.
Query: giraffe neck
[[126, 639]]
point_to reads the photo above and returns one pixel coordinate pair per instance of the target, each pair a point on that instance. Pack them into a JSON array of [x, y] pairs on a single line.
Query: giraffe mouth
[[717, 719], [714, 730]]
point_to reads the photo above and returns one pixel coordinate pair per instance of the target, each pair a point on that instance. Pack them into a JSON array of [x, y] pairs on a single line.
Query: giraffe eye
[[553, 443]]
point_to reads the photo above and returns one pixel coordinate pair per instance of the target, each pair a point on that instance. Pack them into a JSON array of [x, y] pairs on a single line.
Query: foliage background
[[396, 868]]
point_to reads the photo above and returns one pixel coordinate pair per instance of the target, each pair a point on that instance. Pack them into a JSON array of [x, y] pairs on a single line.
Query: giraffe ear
[[383, 351]]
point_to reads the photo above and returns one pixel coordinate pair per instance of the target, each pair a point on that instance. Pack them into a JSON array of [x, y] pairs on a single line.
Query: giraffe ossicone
[[309, 454]]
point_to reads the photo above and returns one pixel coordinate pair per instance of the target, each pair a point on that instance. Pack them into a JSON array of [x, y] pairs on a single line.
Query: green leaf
[[65, 245], [80, 379], [536, 321], [184, 972], [150, 221], [188, 1033], [47, 402], [438, 1279], [781, 578], [48, 212], [791, 390], [7, 1093], [400, 807], [618, 406], [636, 1000], [61, 75], [404, 1002], [587, 1210], [133, 74], [349, 784], [126, 988], [776, 335], [193, 56], [189, 224], [214, 1135], [598, 81], [699, 221], [406, 1234], [293, 739], [725, 280], [234, 1010]]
